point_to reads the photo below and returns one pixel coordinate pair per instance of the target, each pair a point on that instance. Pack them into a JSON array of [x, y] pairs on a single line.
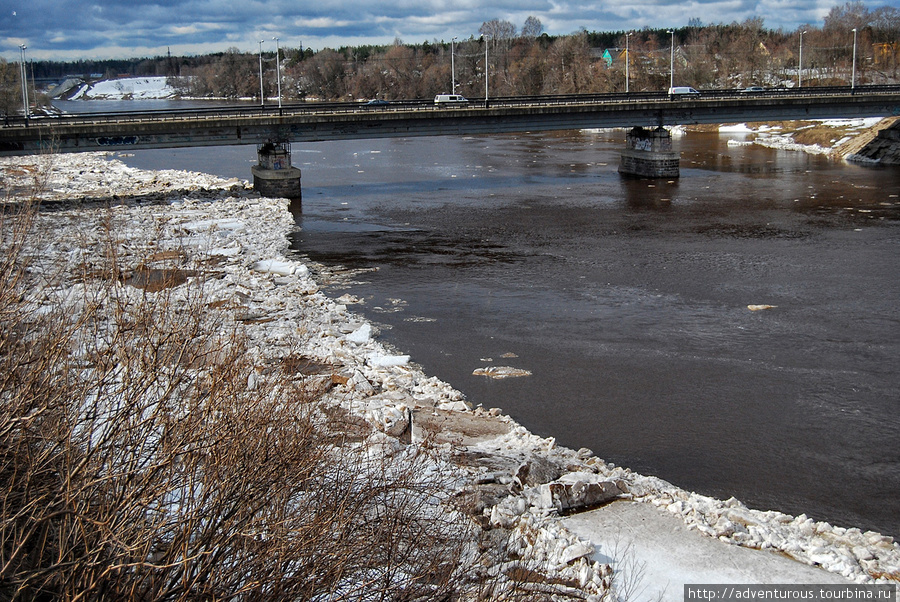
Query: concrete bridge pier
[[649, 154], [273, 176]]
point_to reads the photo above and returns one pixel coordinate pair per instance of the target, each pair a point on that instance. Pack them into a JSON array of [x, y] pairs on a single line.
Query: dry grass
[[823, 135]]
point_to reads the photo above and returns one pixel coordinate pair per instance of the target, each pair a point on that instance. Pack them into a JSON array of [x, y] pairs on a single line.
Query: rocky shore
[[519, 482]]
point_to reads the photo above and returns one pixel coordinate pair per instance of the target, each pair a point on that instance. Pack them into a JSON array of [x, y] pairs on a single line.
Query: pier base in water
[[274, 176], [649, 154]]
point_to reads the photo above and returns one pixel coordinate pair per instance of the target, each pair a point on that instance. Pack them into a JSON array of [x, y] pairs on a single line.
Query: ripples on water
[[627, 299]]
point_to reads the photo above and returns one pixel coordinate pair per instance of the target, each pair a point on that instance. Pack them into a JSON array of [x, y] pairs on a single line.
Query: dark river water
[[628, 299]]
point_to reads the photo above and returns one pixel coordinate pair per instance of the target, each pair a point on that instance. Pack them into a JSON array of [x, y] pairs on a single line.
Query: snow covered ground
[[530, 481]]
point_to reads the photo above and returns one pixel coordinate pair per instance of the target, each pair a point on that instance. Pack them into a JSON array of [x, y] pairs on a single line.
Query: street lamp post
[[24, 81], [452, 66], [800, 62], [627, 60], [278, 70], [672, 61], [853, 76], [262, 94], [487, 38]]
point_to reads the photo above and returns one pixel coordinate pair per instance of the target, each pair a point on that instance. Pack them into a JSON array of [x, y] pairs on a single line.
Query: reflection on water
[[627, 299]]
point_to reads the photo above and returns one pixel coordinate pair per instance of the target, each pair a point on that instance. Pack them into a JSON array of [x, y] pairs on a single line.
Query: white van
[[683, 91], [442, 98]]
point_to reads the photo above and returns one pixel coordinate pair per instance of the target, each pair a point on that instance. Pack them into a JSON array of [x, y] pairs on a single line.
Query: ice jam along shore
[[528, 482]]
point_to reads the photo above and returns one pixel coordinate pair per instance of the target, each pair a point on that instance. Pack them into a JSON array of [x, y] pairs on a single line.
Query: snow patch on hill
[[127, 88]]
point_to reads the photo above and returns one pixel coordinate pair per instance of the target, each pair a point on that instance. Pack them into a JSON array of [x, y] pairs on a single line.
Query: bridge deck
[[306, 122]]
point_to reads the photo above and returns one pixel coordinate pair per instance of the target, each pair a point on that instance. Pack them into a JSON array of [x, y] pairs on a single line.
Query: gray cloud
[[117, 29]]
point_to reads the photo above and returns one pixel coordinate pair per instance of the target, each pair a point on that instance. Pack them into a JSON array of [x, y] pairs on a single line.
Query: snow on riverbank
[[783, 137], [523, 481], [126, 88]]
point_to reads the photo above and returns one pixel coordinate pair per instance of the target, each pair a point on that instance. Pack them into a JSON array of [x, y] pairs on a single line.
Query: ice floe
[[501, 372]]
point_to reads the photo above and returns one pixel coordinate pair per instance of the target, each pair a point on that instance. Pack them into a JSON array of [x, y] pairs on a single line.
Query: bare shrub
[[144, 455]]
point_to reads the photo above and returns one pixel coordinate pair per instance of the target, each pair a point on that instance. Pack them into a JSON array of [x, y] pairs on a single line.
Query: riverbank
[[839, 138], [522, 482]]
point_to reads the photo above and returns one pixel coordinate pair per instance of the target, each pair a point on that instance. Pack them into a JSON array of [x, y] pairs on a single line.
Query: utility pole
[[672, 61], [452, 67], [262, 95], [487, 39], [800, 62], [24, 81], [627, 60], [278, 70]]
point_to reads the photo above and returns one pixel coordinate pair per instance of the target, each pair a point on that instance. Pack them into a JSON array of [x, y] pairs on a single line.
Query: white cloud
[[116, 29], [321, 23], [196, 28]]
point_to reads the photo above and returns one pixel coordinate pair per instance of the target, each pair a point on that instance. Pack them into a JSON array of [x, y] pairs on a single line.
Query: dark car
[[377, 102]]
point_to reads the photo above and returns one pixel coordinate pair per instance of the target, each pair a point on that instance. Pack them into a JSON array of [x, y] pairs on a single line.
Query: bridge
[[313, 121]]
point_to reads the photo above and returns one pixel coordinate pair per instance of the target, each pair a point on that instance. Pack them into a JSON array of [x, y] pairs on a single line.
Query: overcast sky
[[90, 29]]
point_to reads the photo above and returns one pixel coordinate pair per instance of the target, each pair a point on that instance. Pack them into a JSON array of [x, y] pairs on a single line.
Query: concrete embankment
[[881, 144]]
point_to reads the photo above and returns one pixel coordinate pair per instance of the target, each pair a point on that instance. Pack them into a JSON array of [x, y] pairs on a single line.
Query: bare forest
[[514, 62]]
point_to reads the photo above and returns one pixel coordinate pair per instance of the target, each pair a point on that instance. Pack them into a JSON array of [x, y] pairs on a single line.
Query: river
[[628, 299]]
